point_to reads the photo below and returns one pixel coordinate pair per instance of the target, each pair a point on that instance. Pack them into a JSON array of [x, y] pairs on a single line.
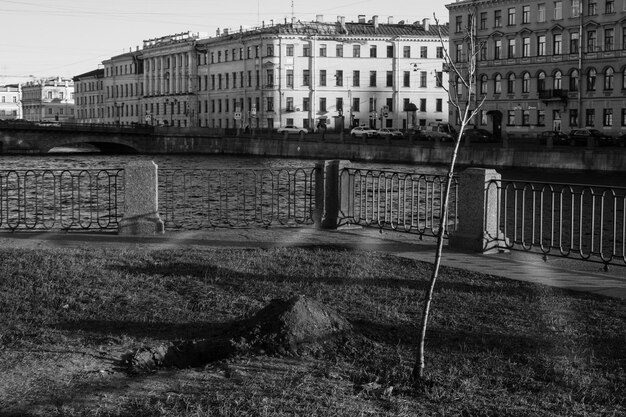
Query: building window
[[356, 104], [525, 117], [541, 82], [573, 80], [541, 117], [526, 83], [591, 79], [558, 10], [439, 51], [609, 6], [323, 104], [624, 117], [558, 78], [289, 50], [423, 76], [423, 52], [339, 78], [269, 103], [590, 116], [573, 43], [389, 51], [372, 104], [439, 105], [339, 50], [322, 50], [541, 13], [459, 52], [289, 78], [483, 21], [372, 78], [497, 18], [323, 78], [356, 51], [526, 14], [339, 104], [608, 79], [573, 117], [356, 78], [389, 78], [406, 52], [556, 44], [510, 85], [497, 84], [511, 52], [592, 8], [609, 37], [438, 78], [458, 24], [575, 7], [269, 78], [510, 119], [483, 84], [497, 49], [422, 104], [306, 104], [305, 78], [511, 16], [389, 105], [607, 117], [525, 47], [541, 45], [591, 41], [306, 50], [373, 52]]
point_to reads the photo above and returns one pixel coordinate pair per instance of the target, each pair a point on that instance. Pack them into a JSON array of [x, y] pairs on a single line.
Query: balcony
[[553, 96]]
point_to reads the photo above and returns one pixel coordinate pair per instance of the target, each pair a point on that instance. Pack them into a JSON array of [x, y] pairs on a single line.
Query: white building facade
[[346, 74]]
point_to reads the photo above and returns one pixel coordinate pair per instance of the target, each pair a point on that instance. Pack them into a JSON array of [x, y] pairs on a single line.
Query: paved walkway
[[563, 273]]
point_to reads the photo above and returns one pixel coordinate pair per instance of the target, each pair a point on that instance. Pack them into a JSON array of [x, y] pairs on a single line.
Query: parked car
[[363, 131], [558, 138], [580, 137], [442, 131], [388, 133], [479, 135], [49, 124], [292, 129]]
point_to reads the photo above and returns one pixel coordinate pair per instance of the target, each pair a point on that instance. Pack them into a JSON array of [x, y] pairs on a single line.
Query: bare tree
[[463, 73]]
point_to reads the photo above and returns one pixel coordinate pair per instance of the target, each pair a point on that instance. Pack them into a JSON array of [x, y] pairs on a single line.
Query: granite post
[[478, 227], [141, 198], [327, 199]]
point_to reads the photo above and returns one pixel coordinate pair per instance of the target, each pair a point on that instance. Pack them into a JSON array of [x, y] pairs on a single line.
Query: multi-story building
[[10, 102], [48, 100], [123, 89], [545, 65], [344, 73], [89, 97]]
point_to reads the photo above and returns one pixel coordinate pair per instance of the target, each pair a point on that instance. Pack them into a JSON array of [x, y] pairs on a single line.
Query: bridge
[[29, 138]]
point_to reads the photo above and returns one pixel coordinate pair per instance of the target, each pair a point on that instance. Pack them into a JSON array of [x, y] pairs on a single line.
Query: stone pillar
[[141, 203], [478, 204], [327, 199]]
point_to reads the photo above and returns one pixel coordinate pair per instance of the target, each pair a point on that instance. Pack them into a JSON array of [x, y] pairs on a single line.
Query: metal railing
[[569, 220], [195, 199], [61, 199], [405, 202]]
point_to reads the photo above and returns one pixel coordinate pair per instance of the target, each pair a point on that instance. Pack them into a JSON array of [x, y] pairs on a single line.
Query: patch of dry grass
[[495, 347]]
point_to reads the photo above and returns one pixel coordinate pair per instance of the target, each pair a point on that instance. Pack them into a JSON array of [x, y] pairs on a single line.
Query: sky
[[49, 38]]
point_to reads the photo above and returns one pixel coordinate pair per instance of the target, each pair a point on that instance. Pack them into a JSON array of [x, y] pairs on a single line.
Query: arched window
[[526, 82], [497, 84], [459, 86], [573, 80], [624, 77], [511, 84], [608, 79], [558, 78], [541, 82], [591, 79], [483, 84]]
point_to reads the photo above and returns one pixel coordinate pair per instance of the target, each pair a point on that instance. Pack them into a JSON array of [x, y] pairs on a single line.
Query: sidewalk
[[557, 272]]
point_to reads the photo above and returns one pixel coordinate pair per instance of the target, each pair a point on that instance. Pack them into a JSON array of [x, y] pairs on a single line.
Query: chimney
[[426, 24], [390, 20], [342, 23], [361, 18], [217, 32], [225, 31], [319, 18], [375, 21]]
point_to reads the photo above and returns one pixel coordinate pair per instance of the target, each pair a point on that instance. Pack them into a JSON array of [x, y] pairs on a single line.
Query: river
[[78, 160]]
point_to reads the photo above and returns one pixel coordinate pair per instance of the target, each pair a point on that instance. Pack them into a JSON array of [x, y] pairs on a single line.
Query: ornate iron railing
[[61, 199], [397, 201], [570, 220], [195, 199]]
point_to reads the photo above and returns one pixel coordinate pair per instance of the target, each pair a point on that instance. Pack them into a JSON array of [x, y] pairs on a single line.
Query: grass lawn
[[495, 347]]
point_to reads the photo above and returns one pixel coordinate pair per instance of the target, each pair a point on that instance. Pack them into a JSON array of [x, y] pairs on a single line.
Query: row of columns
[[179, 69]]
